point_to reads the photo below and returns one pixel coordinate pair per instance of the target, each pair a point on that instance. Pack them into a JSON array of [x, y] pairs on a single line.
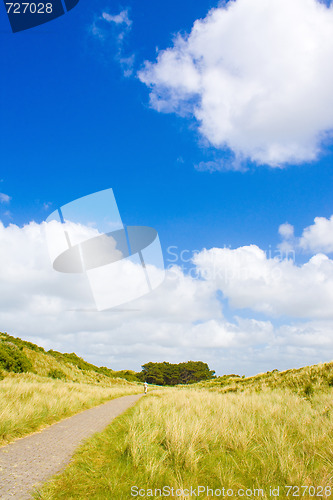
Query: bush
[[330, 381], [13, 359], [308, 390], [54, 373]]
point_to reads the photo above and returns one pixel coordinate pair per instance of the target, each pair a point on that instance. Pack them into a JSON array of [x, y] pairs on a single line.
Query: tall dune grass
[[184, 438], [28, 402], [308, 378]]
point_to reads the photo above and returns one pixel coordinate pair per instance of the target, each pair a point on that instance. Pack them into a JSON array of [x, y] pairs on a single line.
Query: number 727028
[[31, 8]]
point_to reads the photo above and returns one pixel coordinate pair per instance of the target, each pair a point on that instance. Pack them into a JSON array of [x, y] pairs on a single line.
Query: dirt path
[[30, 461]]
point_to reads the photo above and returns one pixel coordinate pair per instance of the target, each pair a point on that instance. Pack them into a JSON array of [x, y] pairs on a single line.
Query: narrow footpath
[[32, 460]]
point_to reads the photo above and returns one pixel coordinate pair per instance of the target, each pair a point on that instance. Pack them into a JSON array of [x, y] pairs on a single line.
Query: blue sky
[[77, 117]]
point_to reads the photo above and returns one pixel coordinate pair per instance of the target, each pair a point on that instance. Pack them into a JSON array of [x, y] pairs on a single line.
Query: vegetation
[[13, 359], [17, 355], [305, 380], [80, 363], [54, 373], [39, 388], [173, 374], [190, 437], [231, 432], [28, 402]]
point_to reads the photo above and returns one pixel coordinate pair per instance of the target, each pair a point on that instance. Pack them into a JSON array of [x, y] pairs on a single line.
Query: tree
[[172, 374]]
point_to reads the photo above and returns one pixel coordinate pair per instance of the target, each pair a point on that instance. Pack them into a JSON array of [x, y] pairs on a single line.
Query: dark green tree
[[172, 374]]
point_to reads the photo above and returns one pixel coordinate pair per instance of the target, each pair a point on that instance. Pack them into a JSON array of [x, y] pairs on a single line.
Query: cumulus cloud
[[57, 309], [251, 279], [182, 319], [256, 76], [315, 238], [319, 236]]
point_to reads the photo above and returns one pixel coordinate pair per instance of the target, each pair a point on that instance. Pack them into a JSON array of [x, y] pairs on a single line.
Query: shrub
[[54, 373], [13, 359], [308, 390]]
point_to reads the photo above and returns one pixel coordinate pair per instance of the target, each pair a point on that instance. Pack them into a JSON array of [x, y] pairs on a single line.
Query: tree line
[[172, 374]]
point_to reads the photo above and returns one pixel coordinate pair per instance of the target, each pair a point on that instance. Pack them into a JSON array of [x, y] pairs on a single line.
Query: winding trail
[[31, 460]]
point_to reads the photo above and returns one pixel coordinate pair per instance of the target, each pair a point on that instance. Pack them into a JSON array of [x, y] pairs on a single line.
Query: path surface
[[30, 461]]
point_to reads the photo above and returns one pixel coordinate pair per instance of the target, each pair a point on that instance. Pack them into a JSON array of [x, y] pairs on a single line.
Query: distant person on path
[[146, 387]]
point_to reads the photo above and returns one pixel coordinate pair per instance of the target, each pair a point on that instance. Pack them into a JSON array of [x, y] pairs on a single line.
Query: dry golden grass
[[308, 378], [28, 401], [187, 437]]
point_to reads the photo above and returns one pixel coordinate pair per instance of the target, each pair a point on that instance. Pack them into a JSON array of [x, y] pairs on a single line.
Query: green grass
[[184, 437]]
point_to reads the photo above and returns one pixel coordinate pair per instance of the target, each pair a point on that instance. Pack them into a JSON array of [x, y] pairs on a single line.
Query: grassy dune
[[308, 379], [268, 431], [28, 401], [187, 437]]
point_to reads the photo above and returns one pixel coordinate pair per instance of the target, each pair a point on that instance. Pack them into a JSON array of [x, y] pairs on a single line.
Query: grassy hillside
[[19, 356], [305, 380]]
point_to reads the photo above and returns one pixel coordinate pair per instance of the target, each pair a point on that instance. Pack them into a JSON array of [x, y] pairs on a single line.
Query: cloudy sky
[[212, 122]]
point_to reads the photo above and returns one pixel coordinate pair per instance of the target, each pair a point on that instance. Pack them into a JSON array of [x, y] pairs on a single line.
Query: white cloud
[[256, 76], [250, 279], [121, 21], [4, 198], [209, 166], [286, 230], [121, 18], [180, 320], [57, 309], [289, 242], [221, 164], [114, 28], [319, 236]]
